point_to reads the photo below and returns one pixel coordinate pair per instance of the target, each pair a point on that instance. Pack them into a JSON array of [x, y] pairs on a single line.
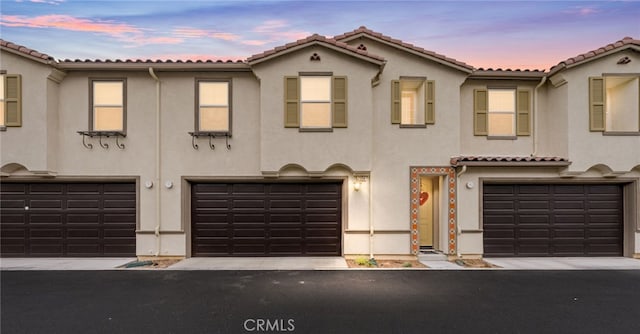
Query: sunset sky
[[488, 34]]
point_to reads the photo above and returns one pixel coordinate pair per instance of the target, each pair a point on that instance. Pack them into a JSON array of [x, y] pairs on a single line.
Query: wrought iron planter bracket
[[100, 135], [211, 136]]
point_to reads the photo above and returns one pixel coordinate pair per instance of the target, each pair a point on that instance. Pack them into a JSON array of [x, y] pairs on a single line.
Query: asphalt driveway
[[320, 301]]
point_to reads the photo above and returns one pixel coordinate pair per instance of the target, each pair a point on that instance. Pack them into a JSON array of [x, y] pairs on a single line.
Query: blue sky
[[489, 34]]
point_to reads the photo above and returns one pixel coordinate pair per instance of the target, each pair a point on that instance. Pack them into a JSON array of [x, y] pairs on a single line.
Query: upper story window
[[213, 107], [315, 102], [108, 105], [614, 103], [412, 102], [10, 100], [501, 112]]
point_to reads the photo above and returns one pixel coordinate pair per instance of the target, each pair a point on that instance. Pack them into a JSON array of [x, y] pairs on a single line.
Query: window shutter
[[596, 104], [291, 99], [396, 114], [429, 102], [339, 100], [523, 112], [13, 100], [480, 108]]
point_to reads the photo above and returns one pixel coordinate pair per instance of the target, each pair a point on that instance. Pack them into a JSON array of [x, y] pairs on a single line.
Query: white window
[[214, 109], [315, 102], [502, 112], [622, 108], [412, 102], [108, 105]]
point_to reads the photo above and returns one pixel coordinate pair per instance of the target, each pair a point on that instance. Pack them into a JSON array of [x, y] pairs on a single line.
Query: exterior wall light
[[358, 181]]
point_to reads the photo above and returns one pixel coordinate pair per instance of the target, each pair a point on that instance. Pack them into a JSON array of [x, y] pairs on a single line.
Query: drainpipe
[[458, 231], [371, 231], [535, 119], [158, 171]]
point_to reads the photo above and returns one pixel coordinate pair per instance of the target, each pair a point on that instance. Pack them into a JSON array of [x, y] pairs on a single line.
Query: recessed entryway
[[266, 219]]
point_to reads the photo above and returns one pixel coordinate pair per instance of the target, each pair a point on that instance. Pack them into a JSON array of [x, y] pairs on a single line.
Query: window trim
[[3, 127], [328, 75], [514, 89], [620, 132], [92, 105], [196, 126]]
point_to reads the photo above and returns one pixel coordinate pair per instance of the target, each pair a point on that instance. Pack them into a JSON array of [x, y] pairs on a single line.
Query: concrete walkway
[[316, 263], [67, 263], [566, 263], [261, 263]]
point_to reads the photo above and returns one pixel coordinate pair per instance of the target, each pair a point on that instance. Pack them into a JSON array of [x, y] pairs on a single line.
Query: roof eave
[[464, 69], [311, 43], [564, 66], [48, 61], [512, 163], [163, 66], [507, 75]]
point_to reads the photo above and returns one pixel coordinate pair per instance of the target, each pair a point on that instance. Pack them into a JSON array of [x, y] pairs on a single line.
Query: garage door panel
[[46, 188], [576, 216], [7, 203], [269, 219], [499, 205], [63, 215]]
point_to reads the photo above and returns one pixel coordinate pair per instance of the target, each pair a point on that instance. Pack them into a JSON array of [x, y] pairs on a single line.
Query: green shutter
[[480, 108], [523, 113], [291, 99], [429, 102], [396, 106], [339, 100], [13, 100], [596, 104]]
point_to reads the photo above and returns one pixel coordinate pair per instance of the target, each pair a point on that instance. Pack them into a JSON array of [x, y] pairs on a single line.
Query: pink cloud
[[582, 11], [121, 31], [199, 33], [276, 30], [254, 42], [67, 22], [50, 2]]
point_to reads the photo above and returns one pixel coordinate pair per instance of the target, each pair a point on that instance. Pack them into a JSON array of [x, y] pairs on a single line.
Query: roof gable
[[315, 39], [407, 47], [623, 44]]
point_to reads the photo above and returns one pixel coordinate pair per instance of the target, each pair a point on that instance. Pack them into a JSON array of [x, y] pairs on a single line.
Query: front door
[[428, 211]]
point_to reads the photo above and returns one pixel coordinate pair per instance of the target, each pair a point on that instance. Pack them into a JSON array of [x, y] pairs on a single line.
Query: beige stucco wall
[[618, 153], [30, 145], [395, 149]]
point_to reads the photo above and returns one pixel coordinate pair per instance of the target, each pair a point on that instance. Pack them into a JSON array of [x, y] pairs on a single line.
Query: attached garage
[[76, 219], [553, 220], [266, 219]]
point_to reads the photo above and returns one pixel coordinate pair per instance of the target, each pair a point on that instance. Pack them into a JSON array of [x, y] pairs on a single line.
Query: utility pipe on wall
[[158, 170], [371, 231], [535, 118]]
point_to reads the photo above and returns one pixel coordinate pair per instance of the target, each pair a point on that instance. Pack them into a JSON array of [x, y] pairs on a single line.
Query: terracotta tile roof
[[397, 42], [508, 160], [26, 51], [151, 61], [594, 54], [311, 39], [490, 73]]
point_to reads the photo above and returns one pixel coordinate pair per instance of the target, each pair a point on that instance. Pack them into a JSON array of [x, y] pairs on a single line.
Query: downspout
[[458, 231], [371, 231], [535, 118], [158, 170]]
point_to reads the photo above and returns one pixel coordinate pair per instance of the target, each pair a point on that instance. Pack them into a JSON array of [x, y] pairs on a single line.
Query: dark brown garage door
[[552, 220], [266, 219], [68, 219]]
